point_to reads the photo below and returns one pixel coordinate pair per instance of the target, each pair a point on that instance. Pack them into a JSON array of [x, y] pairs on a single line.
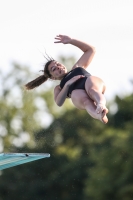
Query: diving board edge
[[8, 160]]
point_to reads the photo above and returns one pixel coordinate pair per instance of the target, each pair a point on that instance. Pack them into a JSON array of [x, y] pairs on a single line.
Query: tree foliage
[[89, 160]]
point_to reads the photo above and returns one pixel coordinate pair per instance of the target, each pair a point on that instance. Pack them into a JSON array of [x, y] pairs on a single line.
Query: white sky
[[29, 26]]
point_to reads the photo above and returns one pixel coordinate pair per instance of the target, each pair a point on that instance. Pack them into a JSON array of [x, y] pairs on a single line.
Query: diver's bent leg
[[81, 100], [91, 109], [95, 88], [99, 99]]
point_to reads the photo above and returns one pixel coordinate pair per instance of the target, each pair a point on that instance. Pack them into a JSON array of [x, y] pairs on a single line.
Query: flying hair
[[43, 78], [47, 57]]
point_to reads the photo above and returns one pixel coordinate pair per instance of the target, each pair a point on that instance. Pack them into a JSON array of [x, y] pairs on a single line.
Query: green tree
[[111, 177], [89, 160], [61, 176], [23, 112], [18, 109]]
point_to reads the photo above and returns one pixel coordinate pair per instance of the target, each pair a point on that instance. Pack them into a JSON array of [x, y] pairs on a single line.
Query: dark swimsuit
[[79, 84]]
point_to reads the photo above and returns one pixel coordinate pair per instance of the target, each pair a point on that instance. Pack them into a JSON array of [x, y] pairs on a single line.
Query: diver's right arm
[[60, 95]]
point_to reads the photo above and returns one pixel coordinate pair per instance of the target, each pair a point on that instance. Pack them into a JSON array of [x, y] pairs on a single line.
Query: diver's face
[[57, 70]]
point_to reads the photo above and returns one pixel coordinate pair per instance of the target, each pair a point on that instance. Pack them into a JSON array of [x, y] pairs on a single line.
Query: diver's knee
[[104, 88], [85, 102], [92, 91]]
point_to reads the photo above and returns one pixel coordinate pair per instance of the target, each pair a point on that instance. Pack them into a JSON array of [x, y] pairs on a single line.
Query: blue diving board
[[8, 160]]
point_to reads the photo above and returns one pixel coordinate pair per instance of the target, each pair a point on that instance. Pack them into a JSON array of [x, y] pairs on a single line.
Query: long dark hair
[[41, 79]]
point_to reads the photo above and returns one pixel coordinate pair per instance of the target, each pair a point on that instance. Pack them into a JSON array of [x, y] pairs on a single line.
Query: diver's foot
[[103, 116], [100, 108]]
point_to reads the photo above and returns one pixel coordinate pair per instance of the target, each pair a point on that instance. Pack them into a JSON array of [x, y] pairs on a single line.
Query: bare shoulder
[[57, 88], [76, 66]]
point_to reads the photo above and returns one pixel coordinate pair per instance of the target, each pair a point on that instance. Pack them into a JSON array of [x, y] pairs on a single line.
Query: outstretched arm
[[88, 50]]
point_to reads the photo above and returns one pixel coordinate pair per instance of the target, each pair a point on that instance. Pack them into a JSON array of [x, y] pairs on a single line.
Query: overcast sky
[[29, 26]]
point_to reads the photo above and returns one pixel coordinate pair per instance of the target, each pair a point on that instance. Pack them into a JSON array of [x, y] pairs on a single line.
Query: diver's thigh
[[93, 82], [78, 98]]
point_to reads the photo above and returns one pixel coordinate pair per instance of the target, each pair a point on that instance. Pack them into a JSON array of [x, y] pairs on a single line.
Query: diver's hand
[[74, 79], [62, 39]]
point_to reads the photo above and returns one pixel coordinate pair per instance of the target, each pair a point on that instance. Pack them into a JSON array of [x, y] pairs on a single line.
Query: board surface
[[8, 160]]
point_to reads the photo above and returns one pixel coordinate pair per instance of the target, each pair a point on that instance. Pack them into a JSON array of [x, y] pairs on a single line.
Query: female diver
[[86, 91]]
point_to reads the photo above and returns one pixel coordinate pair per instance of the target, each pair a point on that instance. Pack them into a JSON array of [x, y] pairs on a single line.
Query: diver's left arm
[[89, 51], [86, 58]]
